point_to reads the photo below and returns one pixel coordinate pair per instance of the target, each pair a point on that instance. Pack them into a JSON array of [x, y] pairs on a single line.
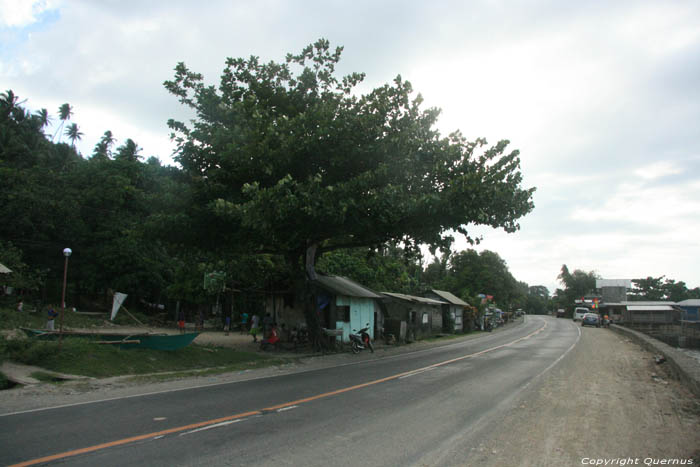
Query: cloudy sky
[[602, 98]]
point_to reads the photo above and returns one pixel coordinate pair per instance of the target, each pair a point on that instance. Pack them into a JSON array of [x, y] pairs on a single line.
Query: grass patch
[[12, 319], [82, 357], [46, 377], [4, 382]]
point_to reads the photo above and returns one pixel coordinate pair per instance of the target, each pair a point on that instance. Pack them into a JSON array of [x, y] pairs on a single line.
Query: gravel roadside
[[606, 401]]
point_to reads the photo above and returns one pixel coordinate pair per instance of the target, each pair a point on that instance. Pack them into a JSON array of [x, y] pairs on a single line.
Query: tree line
[[579, 283], [285, 170]]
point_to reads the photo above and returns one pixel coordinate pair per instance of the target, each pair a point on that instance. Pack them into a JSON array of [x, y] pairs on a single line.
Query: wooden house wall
[[428, 319]]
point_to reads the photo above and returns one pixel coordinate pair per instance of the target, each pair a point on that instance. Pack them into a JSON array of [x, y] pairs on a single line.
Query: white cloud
[[657, 170], [21, 13]]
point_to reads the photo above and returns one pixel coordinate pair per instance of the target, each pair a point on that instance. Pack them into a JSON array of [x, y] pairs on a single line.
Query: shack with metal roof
[[411, 318], [342, 304], [453, 312]]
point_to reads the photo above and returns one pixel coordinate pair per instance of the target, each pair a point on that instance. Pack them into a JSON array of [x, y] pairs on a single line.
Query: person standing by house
[[244, 322], [254, 324], [181, 321], [51, 317], [267, 325], [200, 322]]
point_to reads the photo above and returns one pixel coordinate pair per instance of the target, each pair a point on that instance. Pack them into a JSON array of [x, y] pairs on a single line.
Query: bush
[[27, 351], [4, 383]]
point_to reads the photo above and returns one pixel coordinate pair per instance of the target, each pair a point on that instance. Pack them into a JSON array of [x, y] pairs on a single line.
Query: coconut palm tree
[[43, 117], [9, 103], [129, 151], [64, 113], [73, 133], [103, 147]]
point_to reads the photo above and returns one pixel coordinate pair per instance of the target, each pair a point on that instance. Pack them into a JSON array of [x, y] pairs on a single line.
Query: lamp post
[[66, 252]]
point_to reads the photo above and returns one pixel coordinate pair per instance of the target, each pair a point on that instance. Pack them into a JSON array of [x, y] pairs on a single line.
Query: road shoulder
[[608, 399]]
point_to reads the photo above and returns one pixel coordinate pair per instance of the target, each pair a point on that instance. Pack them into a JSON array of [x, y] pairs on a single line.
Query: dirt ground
[[607, 400]]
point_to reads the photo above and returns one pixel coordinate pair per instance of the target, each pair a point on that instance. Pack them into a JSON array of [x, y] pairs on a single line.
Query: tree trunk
[[308, 295]]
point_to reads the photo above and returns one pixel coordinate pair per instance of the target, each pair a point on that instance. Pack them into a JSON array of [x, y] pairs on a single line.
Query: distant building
[[613, 290]]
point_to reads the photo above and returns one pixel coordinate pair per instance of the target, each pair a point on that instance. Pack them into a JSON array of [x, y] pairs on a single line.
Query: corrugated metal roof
[[344, 286], [4, 269], [411, 298], [690, 302], [658, 302], [650, 308], [449, 297]]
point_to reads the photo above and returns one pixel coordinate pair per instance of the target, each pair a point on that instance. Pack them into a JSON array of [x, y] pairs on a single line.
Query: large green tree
[[288, 158]]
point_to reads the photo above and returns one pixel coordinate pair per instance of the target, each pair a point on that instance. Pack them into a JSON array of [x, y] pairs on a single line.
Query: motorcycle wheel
[[355, 348]]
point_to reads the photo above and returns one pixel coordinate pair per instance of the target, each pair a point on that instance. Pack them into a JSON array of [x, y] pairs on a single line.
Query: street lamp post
[[66, 252]]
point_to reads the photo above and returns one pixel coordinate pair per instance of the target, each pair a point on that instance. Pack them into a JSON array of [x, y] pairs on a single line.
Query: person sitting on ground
[[273, 337]]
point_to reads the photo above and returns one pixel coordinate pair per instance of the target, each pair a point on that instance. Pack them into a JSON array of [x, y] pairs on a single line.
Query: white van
[[579, 311]]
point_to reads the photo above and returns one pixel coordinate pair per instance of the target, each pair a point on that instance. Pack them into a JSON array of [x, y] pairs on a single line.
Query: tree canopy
[[287, 158]]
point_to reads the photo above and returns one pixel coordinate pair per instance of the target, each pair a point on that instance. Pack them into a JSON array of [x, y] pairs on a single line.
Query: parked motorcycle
[[361, 340]]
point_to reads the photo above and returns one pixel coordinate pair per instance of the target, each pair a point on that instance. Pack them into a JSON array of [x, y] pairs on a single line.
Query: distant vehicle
[[560, 313], [590, 319], [579, 311]]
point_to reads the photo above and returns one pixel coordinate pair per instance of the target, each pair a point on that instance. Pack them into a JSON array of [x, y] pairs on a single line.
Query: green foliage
[[286, 156], [658, 289], [4, 383], [537, 300], [470, 273], [577, 285], [27, 351], [386, 269]]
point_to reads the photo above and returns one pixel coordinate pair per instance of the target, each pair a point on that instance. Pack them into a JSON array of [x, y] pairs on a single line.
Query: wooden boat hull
[[124, 341]]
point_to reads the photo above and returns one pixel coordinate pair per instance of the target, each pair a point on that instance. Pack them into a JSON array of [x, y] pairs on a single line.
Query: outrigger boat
[[124, 341]]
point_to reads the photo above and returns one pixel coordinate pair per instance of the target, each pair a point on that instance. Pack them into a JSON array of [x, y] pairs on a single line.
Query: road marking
[[417, 372], [209, 427], [287, 405], [288, 408]]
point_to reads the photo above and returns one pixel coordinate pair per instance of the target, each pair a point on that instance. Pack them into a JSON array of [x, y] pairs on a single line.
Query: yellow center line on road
[[215, 421]]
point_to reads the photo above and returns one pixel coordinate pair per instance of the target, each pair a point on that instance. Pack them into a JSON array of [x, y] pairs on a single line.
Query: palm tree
[[43, 117], [64, 113], [102, 148], [129, 151], [73, 133], [10, 104]]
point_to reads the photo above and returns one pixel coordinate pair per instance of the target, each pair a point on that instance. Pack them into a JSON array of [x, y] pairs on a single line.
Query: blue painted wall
[[361, 313], [691, 313]]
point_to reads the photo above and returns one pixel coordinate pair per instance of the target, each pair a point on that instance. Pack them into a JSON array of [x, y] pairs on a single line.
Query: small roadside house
[[342, 305], [452, 311], [411, 318], [651, 313]]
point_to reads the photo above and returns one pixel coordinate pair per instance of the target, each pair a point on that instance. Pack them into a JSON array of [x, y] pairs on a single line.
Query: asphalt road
[[406, 409]]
